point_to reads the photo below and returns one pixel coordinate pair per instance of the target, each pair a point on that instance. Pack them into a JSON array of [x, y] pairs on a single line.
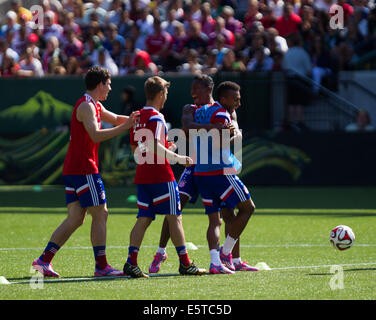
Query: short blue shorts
[[158, 198], [88, 189], [221, 191], [187, 184]]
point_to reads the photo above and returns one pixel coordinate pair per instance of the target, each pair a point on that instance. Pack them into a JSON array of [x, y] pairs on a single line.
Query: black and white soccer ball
[[342, 237]]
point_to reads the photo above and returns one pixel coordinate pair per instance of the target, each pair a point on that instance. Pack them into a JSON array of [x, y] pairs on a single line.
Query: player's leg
[[229, 216], [186, 187], [235, 194], [74, 219], [135, 239], [144, 217]]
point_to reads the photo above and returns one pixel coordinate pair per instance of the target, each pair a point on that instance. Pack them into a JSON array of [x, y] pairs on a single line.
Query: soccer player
[[201, 92], [84, 189], [157, 190], [217, 182]]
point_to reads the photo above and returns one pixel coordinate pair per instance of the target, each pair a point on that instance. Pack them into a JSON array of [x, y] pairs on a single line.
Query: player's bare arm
[[117, 119], [160, 149], [234, 128], [86, 115], [188, 122]]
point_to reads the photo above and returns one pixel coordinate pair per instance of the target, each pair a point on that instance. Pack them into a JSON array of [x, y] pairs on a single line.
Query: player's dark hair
[[204, 79], [226, 86], [95, 76], [155, 85]]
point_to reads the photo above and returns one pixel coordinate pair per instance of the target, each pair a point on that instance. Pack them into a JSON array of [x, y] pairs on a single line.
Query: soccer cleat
[[244, 266], [44, 268], [213, 269], [133, 271], [191, 269], [226, 260], [108, 271], [157, 261]]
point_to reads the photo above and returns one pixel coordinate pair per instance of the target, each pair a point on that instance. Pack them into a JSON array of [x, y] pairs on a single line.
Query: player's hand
[[232, 129], [172, 146], [133, 119], [185, 161]]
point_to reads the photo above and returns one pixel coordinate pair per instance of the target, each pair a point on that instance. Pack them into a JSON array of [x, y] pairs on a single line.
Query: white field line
[[80, 279], [201, 246]]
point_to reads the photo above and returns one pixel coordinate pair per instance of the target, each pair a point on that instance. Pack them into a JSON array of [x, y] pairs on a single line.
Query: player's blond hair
[[155, 85]]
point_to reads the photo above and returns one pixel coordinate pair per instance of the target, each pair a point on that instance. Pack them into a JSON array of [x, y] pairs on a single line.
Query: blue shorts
[[88, 189], [158, 198], [221, 191], [187, 184]]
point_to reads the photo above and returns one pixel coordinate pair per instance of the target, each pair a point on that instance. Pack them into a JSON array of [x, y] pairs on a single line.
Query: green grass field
[[289, 232]]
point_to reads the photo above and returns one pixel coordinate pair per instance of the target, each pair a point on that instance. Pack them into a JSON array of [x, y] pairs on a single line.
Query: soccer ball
[[342, 237]]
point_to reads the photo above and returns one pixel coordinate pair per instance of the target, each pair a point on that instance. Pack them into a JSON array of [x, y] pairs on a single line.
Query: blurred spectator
[[79, 11], [117, 52], [9, 67], [230, 63], [11, 23], [196, 10], [268, 20], [323, 64], [296, 62], [52, 55], [102, 58], [115, 12], [220, 29], [158, 43], [51, 28], [192, 65], [73, 46], [125, 24], [362, 123], [260, 61], [5, 50], [252, 15], [210, 65], [111, 34], [73, 67], [196, 39], [145, 23], [30, 66], [277, 7], [94, 11], [17, 7], [143, 64], [275, 42], [169, 24], [289, 22], [232, 24], [207, 21], [125, 65]]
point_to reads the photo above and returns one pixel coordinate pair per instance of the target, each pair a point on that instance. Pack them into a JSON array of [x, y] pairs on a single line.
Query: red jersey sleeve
[[222, 116]]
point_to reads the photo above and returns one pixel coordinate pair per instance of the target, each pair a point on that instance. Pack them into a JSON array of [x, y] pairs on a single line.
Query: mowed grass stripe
[[197, 210]]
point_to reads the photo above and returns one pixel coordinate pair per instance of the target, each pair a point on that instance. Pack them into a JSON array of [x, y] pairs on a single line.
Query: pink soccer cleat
[[244, 266], [213, 269], [157, 261], [44, 268], [226, 260], [108, 271]]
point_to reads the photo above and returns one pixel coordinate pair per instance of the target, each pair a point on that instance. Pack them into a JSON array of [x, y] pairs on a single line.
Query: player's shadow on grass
[[26, 280], [345, 270]]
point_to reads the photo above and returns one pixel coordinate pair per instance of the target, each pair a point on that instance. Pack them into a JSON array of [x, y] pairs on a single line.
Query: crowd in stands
[[153, 36]]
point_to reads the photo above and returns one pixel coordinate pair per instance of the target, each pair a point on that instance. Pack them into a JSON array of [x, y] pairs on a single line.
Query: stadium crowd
[[153, 36]]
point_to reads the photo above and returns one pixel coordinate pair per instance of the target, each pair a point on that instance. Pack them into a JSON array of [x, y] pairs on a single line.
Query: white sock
[[229, 245], [236, 260], [161, 250], [214, 256]]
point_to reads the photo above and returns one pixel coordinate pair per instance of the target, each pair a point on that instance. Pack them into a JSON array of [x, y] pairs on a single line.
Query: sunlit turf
[[293, 240]]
